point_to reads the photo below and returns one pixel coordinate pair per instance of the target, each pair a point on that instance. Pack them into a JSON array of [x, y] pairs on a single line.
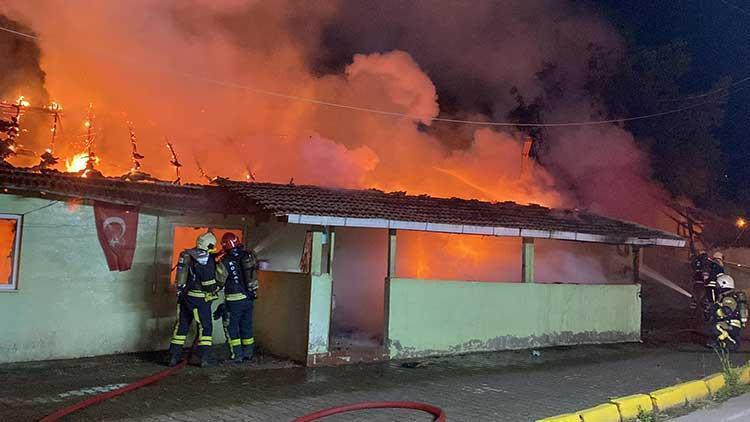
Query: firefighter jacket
[[196, 271], [240, 268]]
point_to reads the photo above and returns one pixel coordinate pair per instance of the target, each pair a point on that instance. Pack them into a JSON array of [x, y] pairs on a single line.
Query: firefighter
[[715, 269], [196, 288], [699, 263], [240, 291], [728, 315]]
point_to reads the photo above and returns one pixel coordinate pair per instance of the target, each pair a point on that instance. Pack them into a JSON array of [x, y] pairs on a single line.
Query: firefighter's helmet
[[229, 241], [725, 281], [206, 241]]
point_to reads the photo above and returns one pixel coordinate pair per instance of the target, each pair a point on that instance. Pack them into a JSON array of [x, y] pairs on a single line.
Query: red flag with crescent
[[117, 228]]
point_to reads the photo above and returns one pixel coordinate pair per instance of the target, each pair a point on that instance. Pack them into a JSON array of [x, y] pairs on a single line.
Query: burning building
[[88, 261]]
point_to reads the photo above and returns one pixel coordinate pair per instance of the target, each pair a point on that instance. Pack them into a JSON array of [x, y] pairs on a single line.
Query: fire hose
[[57, 415], [433, 410]]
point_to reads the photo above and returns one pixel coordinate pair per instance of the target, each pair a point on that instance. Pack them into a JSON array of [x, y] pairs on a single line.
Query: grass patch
[[644, 416], [731, 374]]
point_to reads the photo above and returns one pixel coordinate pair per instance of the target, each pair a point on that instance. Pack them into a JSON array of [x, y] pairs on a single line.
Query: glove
[[253, 288], [220, 311], [180, 290]]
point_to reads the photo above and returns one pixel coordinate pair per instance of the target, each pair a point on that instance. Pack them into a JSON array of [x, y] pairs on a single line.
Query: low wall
[[428, 317], [281, 314]]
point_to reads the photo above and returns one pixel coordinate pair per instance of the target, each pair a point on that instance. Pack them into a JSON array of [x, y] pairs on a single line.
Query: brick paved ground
[[506, 386]]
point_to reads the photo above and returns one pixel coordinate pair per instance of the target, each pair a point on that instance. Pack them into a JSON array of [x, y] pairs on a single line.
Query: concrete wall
[[445, 317], [68, 304], [281, 314]]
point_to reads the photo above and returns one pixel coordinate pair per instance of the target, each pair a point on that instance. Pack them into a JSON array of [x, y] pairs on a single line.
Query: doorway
[[359, 270]]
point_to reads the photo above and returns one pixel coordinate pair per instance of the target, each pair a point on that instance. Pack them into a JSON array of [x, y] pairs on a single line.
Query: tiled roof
[[156, 195], [374, 208], [340, 207]]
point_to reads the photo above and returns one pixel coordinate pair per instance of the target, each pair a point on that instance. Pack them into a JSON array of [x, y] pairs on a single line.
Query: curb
[[626, 408]]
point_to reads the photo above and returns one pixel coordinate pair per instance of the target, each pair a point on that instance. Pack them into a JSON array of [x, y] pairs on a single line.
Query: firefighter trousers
[[191, 308], [240, 326]]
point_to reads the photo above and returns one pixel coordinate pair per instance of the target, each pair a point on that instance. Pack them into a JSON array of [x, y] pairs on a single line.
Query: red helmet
[[229, 241]]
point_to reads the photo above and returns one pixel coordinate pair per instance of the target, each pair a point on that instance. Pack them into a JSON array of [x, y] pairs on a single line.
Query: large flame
[[78, 162]]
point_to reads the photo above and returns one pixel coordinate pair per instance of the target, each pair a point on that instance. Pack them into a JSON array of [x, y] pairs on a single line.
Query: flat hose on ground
[[433, 410], [65, 411]]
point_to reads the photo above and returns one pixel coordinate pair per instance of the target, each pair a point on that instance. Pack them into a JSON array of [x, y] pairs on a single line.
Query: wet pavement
[[502, 386]]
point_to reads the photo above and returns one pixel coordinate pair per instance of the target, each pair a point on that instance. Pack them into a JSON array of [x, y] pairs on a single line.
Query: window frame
[[13, 286]]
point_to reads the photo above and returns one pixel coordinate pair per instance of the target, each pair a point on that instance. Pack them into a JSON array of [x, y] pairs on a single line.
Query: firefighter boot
[[175, 354], [204, 356], [239, 354], [248, 352]]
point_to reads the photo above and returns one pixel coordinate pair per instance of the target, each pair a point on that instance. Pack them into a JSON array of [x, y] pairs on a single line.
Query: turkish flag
[[117, 227]]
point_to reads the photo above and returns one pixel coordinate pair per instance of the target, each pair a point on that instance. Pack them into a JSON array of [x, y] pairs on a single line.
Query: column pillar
[[527, 260], [387, 287], [636, 264]]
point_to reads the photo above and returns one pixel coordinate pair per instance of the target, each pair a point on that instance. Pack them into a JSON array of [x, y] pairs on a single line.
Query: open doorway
[[184, 238], [360, 265]]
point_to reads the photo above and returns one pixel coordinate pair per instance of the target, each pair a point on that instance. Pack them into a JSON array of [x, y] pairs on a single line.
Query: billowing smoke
[[131, 60]]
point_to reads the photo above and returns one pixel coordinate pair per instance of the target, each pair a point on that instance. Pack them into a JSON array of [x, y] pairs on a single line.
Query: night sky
[[717, 34]]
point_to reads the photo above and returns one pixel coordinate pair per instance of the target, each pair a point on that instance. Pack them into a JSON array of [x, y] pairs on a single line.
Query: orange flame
[[78, 162]]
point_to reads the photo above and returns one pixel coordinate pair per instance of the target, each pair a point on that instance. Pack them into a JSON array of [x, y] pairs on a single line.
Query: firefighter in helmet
[[240, 291], [196, 289], [728, 315], [715, 269]]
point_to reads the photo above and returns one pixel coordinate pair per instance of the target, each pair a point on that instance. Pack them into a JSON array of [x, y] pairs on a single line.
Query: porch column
[[387, 287], [391, 253], [636, 264], [321, 289], [527, 260]]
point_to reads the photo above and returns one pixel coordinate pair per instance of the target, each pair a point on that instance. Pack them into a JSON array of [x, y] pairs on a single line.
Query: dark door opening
[[359, 270]]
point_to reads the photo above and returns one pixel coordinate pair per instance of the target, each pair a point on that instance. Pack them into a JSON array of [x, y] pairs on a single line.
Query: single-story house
[[79, 280]]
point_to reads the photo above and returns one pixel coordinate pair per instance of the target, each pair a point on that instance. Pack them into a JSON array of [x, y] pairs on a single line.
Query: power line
[[708, 93], [380, 111]]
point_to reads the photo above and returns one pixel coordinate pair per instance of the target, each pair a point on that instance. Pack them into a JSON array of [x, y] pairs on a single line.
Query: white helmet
[[206, 241], [725, 281]]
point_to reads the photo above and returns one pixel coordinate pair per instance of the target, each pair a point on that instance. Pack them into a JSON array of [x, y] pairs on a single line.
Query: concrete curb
[[626, 408]]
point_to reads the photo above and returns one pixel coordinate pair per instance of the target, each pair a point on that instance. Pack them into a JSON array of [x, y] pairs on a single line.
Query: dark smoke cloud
[[20, 64]]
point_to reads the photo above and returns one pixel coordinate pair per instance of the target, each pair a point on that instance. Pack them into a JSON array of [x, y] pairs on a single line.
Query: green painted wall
[[445, 317], [280, 314], [68, 304], [320, 313], [321, 291]]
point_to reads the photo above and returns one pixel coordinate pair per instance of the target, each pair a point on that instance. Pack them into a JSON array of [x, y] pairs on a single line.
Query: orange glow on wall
[[7, 250]]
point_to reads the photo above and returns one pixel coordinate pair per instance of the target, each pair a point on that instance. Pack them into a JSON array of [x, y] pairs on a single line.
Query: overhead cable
[[380, 111]]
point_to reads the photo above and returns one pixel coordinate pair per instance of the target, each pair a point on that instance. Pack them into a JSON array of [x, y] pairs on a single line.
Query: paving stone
[[503, 386]]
